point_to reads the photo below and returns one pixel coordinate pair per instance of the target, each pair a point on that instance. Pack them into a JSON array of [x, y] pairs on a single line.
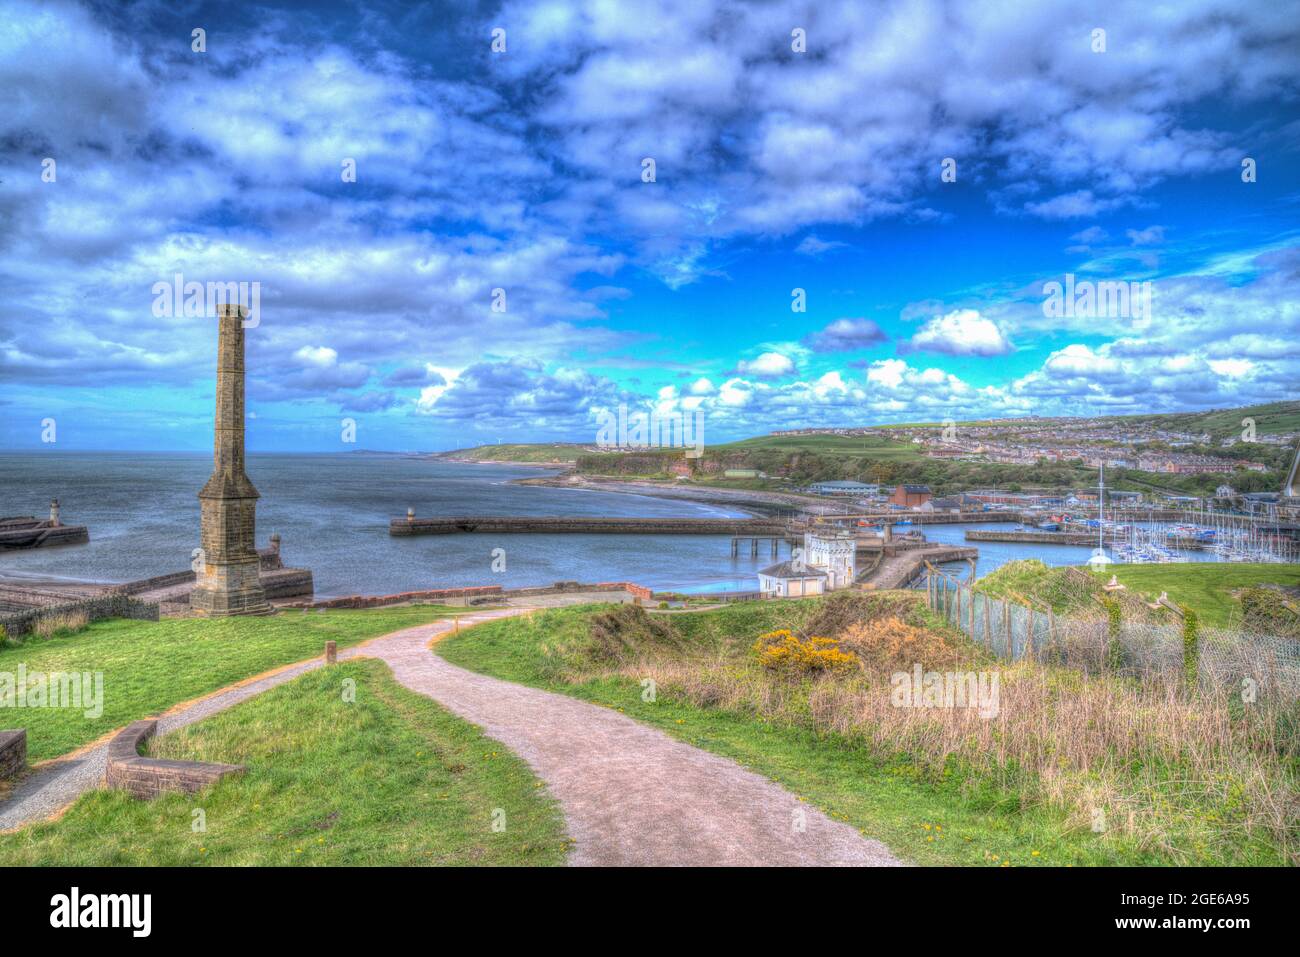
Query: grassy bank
[[1211, 589], [1164, 781], [149, 666], [388, 779]]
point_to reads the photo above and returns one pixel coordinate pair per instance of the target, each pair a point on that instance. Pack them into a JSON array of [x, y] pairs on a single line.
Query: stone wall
[[143, 777], [481, 592], [13, 752], [112, 605]]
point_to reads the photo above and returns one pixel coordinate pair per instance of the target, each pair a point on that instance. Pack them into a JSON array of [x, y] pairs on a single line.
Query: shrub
[[1268, 611], [626, 631], [68, 622], [844, 609], [892, 643], [784, 652], [1114, 627]]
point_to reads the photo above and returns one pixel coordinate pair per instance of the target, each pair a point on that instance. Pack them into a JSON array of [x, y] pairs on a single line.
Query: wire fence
[[1224, 659]]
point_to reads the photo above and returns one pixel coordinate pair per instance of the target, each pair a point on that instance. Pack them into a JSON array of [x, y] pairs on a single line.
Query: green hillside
[[1270, 419]]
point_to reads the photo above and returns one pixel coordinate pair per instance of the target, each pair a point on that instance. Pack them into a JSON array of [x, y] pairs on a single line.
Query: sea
[[332, 513]]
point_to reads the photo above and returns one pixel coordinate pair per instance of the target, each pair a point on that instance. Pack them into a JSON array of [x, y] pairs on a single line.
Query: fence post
[[1006, 627], [970, 600], [1191, 648]]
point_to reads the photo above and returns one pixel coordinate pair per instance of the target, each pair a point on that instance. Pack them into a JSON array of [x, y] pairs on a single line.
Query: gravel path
[[631, 794]]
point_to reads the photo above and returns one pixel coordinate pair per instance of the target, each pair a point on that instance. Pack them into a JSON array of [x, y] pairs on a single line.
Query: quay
[[742, 528], [903, 567], [31, 532]]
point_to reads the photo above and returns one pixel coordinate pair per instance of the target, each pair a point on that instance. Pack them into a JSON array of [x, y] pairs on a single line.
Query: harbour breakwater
[[585, 525]]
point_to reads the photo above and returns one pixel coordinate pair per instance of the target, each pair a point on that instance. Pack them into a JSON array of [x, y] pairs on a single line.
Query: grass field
[[150, 666], [540, 452], [1206, 587], [977, 802], [860, 446], [389, 779]]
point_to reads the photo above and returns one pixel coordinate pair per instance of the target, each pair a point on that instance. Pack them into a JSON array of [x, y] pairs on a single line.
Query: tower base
[[226, 590]]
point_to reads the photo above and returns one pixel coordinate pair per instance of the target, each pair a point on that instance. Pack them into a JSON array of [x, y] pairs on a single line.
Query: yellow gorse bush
[[785, 652]]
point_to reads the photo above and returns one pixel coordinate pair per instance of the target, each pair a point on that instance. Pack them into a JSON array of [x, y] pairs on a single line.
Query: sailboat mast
[[1101, 506]]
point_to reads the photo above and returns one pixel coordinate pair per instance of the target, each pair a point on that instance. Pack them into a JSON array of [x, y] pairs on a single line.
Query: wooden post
[[331, 653], [970, 600], [988, 623], [1006, 626]]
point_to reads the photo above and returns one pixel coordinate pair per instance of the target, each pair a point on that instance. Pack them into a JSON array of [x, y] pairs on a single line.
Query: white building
[[793, 579], [834, 552]]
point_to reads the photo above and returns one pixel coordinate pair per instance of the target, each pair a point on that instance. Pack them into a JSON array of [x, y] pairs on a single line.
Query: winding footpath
[[630, 794]]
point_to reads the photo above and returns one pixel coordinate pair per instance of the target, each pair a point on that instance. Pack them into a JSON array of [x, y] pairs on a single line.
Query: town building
[[835, 553], [910, 496], [843, 488], [791, 580]]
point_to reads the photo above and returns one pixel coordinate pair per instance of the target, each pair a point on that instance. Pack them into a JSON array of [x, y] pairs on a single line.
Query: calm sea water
[[332, 513]]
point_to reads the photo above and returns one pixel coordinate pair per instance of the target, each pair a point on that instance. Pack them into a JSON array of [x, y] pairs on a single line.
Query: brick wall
[[13, 752], [143, 777], [109, 605]]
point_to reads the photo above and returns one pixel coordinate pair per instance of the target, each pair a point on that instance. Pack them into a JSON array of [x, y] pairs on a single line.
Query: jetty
[[27, 531], [900, 569], [587, 525]]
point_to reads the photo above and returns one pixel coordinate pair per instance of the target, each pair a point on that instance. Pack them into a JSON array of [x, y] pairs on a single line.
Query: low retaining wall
[[143, 777], [158, 581], [433, 594], [13, 752], [479, 591], [112, 605]]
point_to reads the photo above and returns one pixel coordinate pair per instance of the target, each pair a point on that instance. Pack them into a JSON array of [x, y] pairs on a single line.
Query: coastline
[[767, 502]]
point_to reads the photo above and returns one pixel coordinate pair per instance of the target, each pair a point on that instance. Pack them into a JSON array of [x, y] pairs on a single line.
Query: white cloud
[[769, 365], [962, 332]]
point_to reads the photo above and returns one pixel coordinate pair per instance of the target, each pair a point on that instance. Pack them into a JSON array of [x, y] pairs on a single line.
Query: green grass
[[150, 666], [865, 446], [542, 452], [389, 779], [1205, 587], [952, 821]]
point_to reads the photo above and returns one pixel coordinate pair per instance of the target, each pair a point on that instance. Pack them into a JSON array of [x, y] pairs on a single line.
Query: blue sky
[[522, 170]]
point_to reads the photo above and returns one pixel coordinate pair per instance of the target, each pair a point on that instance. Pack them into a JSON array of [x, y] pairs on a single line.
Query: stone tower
[[228, 582]]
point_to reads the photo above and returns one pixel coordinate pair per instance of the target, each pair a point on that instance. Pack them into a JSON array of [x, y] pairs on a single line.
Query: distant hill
[[548, 453], [883, 459], [1269, 419]]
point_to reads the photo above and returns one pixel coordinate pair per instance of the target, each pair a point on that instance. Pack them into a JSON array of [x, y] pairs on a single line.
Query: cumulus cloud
[[768, 365], [846, 335], [962, 332]]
